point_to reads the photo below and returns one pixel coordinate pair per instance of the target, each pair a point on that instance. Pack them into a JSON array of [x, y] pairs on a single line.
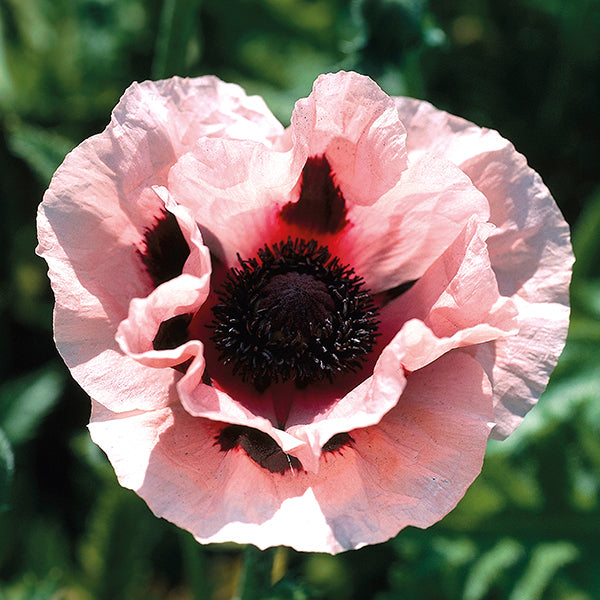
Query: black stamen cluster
[[293, 313]]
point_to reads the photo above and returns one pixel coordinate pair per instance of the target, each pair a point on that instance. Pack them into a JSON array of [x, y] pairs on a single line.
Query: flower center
[[295, 303], [293, 313]]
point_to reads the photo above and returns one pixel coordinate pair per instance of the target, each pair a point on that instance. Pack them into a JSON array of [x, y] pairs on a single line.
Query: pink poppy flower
[[302, 336]]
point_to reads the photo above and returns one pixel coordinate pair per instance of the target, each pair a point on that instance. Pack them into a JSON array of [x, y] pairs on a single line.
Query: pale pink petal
[[135, 335], [411, 469], [209, 402], [170, 115], [396, 239], [508, 361], [92, 285], [530, 252], [234, 190], [179, 296], [315, 423], [104, 185], [87, 192], [419, 345], [532, 257], [172, 461], [455, 303], [351, 121], [102, 192], [434, 131], [154, 123], [414, 466], [312, 416]]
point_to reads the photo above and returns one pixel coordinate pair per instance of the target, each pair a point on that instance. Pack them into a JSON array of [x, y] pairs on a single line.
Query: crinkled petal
[[510, 361], [530, 252], [136, 334], [183, 295], [234, 189], [170, 115], [93, 286], [208, 402], [364, 405], [411, 469], [455, 303], [414, 466], [103, 192], [171, 459], [351, 121], [419, 345], [396, 239], [313, 417]]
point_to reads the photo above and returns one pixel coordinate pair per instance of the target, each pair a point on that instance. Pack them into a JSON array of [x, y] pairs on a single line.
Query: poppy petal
[[530, 252], [411, 469]]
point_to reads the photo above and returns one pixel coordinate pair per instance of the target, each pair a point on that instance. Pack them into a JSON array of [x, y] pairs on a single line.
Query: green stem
[[194, 566], [255, 576], [178, 22]]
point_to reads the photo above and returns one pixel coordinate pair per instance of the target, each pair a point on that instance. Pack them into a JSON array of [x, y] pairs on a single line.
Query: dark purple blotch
[[259, 447], [172, 333], [321, 206], [387, 296], [337, 442], [165, 249]]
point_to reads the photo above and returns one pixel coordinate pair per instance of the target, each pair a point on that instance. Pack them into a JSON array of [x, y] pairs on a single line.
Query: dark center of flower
[[293, 313], [294, 302]]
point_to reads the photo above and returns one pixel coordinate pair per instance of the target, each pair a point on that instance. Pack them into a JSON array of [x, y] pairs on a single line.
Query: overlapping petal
[[312, 416], [233, 188], [529, 252], [411, 469], [355, 125], [398, 238], [98, 207], [178, 297], [456, 303]]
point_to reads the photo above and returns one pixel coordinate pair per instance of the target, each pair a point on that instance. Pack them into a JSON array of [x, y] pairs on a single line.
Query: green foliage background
[[529, 528]]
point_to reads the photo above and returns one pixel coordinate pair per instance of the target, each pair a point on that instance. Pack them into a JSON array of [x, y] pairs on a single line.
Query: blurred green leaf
[[255, 578], [32, 588], [390, 37], [45, 548], [392, 27], [328, 574], [7, 464], [179, 21], [291, 590], [41, 149], [116, 552], [6, 82], [26, 401], [490, 567], [586, 240], [546, 560], [194, 564]]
